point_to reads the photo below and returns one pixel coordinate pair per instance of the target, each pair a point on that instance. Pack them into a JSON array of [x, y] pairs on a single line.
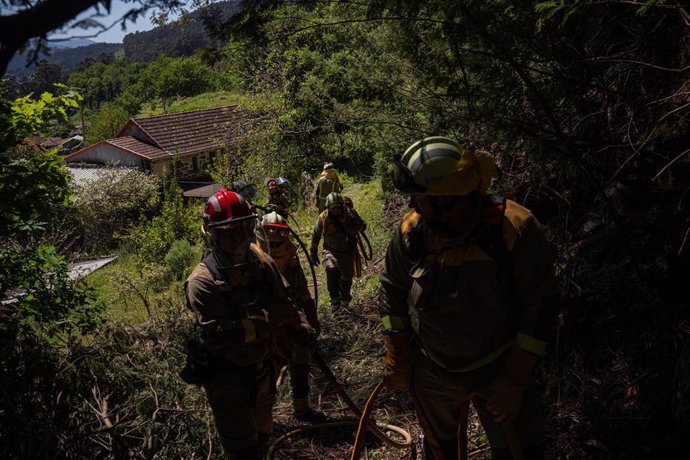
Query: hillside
[[180, 38], [68, 58], [583, 106]]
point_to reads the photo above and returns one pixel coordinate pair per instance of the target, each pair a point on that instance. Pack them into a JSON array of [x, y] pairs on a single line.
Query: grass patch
[[209, 101], [134, 291]]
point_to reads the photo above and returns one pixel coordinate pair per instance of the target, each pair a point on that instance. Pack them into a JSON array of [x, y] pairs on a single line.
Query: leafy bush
[[177, 221], [43, 312], [179, 257], [115, 201], [106, 123]]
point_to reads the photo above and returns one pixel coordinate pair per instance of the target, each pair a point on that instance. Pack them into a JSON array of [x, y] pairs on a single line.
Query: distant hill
[[67, 58], [180, 38], [71, 43]]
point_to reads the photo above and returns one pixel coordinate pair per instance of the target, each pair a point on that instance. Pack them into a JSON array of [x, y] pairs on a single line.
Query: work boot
[[248, 453], [345, 303], [335, 304], [311, 416]]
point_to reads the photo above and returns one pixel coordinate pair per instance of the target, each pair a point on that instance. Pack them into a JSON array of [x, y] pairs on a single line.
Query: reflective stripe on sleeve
[[524, 341], [395, 323]]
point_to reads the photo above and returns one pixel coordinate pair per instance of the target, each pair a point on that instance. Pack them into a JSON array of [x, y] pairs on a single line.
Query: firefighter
[[468, 298], [327, 183], [248, 191], [273, 235], [245, 317], [277, 196], [341, 259]]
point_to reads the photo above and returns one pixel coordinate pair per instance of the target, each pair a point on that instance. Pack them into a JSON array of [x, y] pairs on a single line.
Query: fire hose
[[363, 236], [364, 419], [365, 422]]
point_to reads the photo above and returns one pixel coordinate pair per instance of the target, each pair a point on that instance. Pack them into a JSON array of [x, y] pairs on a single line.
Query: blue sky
[[115, 34]]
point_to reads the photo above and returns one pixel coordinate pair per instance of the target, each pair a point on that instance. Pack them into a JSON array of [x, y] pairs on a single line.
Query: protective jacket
[[465, 308], [285, 257], [279, 203], [339, 233], [226, 300], [327, 183]]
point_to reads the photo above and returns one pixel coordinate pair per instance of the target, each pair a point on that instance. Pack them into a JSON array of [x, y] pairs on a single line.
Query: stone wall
[[192, 166]]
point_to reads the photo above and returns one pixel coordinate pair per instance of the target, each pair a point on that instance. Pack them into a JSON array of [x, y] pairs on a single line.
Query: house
[[190, 139]]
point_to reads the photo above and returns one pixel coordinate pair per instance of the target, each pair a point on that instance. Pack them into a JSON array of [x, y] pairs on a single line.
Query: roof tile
[[189, 132], [138, 148]]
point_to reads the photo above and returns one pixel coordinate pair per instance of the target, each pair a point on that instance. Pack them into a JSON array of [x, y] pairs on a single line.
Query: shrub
[[177, 221], [115, 201], [179, 258]]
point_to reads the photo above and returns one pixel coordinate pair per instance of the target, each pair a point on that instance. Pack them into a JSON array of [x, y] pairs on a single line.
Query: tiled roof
[[199, 189], [136, 147], [190, 132]]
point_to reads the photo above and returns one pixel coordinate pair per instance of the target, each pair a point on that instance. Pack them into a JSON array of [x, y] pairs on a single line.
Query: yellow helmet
[[440, 166]]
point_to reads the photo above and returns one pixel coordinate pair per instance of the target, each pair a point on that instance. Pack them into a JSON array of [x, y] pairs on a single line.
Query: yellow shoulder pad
[[410, 221], [515, 217]]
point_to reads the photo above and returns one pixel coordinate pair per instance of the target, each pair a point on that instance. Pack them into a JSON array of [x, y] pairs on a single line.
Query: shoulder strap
[[214, 267], [414, 243], [491, 240]]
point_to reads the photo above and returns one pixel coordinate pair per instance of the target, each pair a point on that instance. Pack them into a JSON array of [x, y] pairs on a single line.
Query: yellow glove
[[507, 390], [397, 371]]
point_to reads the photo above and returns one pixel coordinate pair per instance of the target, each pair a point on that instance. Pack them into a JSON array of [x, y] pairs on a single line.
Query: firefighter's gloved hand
[[505, 400], [506, 392], [282, 315], [397, 370], [259, 327], [305, 335], [315, 324]]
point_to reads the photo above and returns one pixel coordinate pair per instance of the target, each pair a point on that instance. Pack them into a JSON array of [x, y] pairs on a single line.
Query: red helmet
[[226, 209], [273, 227]]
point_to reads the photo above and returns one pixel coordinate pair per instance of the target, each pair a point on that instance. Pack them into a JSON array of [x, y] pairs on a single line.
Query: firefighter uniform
[[466, 312], [340, 254], [328, 182], [227, 301]]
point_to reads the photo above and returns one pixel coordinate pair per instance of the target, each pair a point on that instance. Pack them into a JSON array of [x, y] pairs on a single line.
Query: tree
[[34, 19], [106, 123], [166, 78]]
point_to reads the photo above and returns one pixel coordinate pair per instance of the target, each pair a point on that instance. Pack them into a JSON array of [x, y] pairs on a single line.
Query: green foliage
[[115, 202], [106, 123], [167, 78], [105, 81], [179, 257], [177, 221], [28, 115], [35, 190], [64, 396], [43, 311]]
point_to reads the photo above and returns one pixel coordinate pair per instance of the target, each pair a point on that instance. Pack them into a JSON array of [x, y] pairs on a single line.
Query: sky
[[115, 34]]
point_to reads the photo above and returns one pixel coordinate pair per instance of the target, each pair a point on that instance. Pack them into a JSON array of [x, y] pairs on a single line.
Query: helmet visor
[[402, 178], [234, 223], [276, 231]]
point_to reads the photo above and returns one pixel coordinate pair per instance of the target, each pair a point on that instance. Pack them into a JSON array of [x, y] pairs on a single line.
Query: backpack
[[325, 187]]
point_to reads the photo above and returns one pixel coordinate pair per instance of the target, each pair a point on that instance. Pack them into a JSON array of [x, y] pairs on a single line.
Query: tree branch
[[17, 29]]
